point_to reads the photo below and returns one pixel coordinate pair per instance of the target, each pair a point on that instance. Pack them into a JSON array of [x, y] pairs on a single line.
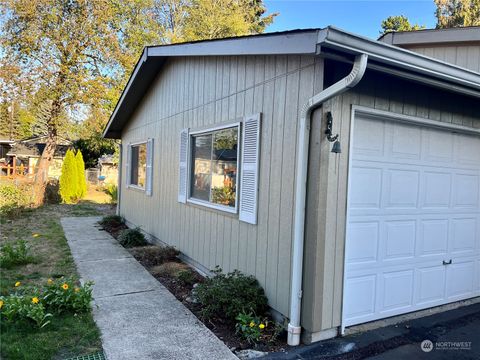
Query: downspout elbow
[[352, 79]]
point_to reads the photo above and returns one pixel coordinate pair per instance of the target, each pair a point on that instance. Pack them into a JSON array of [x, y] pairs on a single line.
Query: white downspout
[[352, 79]]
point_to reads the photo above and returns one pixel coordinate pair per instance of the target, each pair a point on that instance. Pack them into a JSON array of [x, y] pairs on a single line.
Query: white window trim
[[192, 200], [133, 186]]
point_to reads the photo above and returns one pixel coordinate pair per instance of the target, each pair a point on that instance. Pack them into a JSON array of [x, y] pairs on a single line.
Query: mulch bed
[[224, 330]]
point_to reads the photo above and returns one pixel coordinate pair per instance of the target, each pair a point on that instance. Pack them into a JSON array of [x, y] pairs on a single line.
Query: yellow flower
[[65, 286], [261, 326], [35, 300], [1, 304], [77, 289], [49, 281], [252, 324], [35, 235], [18, 283]]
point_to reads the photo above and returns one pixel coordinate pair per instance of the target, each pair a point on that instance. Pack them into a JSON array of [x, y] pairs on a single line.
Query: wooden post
[[14, 167]]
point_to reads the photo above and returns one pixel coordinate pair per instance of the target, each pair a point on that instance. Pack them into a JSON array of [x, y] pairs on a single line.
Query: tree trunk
[[41, 176]]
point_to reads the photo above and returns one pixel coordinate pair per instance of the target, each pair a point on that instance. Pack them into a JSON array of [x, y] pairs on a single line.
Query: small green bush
[[69, 190], [13, 199], [63, 295], [112, 221], [15, 254], [186, 276], [132, 238], [81, 179], [225, 296], [250, 327], [52, 192], [16, 308], [112, 191], [155, 255]]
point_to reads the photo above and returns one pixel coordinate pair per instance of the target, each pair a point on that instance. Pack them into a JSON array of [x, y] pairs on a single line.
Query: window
[[214, 168], [138, 167]]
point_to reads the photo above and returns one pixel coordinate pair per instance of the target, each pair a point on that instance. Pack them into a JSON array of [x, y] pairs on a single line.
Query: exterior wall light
[[332, 138]]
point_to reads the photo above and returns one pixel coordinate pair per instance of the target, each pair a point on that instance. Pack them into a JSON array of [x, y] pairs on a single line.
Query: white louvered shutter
[[183, 167], [149, 182], [249, 169], [127, 165]]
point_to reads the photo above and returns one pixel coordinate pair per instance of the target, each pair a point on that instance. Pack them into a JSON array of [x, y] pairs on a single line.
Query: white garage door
[[413, 224]]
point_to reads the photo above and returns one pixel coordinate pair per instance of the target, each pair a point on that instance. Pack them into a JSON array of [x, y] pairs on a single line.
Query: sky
[[357, 16]]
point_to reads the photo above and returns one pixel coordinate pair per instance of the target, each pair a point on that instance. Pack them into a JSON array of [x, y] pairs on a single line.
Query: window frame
[[208, 204], [130, 167]]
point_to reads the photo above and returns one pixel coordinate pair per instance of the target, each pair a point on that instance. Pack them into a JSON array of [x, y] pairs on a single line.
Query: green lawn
[[67, 335]]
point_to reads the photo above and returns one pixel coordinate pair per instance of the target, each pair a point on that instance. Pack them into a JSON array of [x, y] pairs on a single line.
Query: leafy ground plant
[[69, 333], [63, 295], [132, 238], [227, 295], [13, 254]]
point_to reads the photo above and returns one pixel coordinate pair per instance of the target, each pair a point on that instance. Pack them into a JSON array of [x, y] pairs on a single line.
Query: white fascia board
[[401, 58], [302, 42]]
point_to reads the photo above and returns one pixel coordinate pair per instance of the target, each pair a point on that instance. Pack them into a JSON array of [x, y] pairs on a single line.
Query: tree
[[456, 13], [398, 23], [69, 184], [212, 19], [82, 182]]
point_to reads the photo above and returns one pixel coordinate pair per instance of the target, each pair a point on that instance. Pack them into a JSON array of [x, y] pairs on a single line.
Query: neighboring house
[[108, 167], [5, 146], [230, 154], [29, 151]]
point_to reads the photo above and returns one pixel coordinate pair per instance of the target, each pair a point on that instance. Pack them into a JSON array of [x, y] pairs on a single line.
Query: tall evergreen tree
[[82, 182], [398, 23], [69, 184], [457, 13]]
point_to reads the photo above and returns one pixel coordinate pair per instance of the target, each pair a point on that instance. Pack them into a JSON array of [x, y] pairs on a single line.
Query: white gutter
[[348, 82]]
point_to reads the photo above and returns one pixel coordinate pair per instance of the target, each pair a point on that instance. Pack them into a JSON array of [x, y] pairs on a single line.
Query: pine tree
[[82, 182], [69, 179]]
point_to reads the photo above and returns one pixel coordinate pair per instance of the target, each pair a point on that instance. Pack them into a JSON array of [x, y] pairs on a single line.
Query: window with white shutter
[[183, 167], [136, 168], [249, 169], [149, 180]]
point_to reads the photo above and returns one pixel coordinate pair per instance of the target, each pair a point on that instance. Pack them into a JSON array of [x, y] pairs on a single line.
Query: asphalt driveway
[[454, 334]]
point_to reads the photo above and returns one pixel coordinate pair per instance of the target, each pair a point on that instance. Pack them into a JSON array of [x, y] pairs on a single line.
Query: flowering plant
[[63, 295], [17, 307], [250, 327]]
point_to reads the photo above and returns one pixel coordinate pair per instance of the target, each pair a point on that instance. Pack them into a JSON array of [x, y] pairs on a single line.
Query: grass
[[68, 334]]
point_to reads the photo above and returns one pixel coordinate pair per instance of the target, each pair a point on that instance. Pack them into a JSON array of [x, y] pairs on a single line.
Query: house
[[29, 151], [342, 172], [108, 168]]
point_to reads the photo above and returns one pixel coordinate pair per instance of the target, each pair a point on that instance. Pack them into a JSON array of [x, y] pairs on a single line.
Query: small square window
[[138, 165], [214, 168]]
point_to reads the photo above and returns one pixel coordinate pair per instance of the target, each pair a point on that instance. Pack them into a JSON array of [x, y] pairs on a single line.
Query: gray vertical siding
[[199, 92], [327, 188], [466, 56]]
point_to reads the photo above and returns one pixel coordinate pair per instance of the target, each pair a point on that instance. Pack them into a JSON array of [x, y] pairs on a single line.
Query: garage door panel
[[466, 190], [433, 238], [397, 290], [361, 292], [463, 236], [364, 242], [430, 282], [460, 280], [436, 189], [401, 189], [366, 192], [399, 240], [414, 194]]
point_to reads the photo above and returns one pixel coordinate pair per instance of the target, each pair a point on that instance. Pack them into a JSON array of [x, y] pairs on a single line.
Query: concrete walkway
[[137, 316]]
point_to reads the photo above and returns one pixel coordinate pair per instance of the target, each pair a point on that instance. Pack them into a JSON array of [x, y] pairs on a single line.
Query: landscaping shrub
[[63, 295], [155, 255], [250, 327], [14, 308], [69, 190], [81, 180], [13, 199], [14, 254], [112, 221], [186, 276], [132, 238], [225, 296], [52, 192], [112, 191]]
